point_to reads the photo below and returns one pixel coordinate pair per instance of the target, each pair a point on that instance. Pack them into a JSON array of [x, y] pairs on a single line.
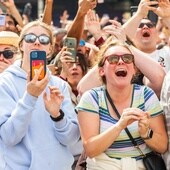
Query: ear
[[51, 49], [101, 71], [20, 47]]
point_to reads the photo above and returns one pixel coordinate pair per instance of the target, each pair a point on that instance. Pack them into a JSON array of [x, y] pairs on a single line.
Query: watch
[[149, 135], [60, 117]]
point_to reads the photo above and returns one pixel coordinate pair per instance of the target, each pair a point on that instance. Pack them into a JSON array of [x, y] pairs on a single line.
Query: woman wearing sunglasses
[[105, 140], [37, 119], [8, 49]]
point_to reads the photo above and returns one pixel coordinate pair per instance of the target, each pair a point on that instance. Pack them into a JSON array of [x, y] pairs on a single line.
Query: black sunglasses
[[114, 58], [31, 38], [149, 25], [8, 54]]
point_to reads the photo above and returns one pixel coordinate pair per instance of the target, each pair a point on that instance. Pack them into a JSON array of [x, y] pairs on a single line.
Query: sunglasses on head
[[31, 38], [149, 25], [8, 54], [114, 58]]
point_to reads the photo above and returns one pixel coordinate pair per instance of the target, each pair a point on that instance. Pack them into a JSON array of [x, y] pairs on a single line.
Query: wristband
[[60, 117], [149, 135]]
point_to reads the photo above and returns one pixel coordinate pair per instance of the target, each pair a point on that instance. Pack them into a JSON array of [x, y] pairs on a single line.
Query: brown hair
[[108, 44]]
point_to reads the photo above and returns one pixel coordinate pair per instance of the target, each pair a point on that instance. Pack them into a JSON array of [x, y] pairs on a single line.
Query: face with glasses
[[35, 38], [118, 65], [146, 35], [147, 24], [7, 56]]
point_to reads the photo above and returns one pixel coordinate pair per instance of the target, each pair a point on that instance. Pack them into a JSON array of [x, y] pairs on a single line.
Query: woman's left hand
[[53, 101], [144, 124]]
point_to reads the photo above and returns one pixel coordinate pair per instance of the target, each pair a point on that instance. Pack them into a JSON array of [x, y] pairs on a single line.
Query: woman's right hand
[[129, 116], [35, 87]]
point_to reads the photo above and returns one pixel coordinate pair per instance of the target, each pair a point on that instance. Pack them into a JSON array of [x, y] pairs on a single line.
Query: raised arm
[[132, 24], [47, 16], [163, 11], [12, 9], [77, 26], [151, 69]]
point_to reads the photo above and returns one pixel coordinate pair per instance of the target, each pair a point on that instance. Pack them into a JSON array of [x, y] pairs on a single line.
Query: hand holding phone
[[71, 44], [37, 61]]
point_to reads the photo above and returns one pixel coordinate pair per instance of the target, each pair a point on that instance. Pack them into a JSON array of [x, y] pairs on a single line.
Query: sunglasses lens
[[30, 38], [113, 59], [44, 39], [141, 25], [8, 54], [149, 25], [128, 58]]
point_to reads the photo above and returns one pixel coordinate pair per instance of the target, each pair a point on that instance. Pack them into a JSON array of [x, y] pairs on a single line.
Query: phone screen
[[38, 59], [2, 20], [36, 64]]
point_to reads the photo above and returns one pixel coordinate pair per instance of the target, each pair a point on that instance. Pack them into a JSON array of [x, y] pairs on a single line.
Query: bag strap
[[126, 129]]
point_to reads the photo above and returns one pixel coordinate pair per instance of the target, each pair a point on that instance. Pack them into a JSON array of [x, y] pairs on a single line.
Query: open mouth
[[146, 34], [75, 74], [121, 73]]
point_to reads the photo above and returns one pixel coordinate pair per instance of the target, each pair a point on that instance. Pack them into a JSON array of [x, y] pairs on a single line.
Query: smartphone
[[71, 44], [37, 59], [151, 15], [27, 9], [2, 20], [133, 9]]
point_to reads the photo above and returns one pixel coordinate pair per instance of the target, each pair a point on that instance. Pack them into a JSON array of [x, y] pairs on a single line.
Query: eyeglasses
[[114, 58], [31, 38], [8, 54], [149, 25]]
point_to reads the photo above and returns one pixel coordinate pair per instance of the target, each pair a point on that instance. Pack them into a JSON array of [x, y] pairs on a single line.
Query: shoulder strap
[[126, 129], [118, 115]]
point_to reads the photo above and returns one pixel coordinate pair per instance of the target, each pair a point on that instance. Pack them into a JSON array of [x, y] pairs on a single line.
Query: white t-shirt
[[162, 56]]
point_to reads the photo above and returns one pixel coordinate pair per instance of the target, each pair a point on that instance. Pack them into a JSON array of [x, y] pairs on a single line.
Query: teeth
[[120, 69], [121, 73]]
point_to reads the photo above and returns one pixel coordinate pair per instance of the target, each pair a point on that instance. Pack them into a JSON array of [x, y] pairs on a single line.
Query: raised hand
[[35, 87], [93, 24], [163, 9], [85, 5], [116, 30], [7, 3], [53, 101]]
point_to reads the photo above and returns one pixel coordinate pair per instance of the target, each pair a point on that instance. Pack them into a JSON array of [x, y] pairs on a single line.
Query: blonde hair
[[34, 24]]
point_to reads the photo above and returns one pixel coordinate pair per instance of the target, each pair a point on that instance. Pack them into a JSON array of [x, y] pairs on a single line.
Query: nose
[[74, 66], [36, 42], [1, 57], [120, 61]]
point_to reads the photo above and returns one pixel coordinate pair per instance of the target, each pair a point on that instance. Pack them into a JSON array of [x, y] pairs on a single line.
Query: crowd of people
[[77, 116]]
